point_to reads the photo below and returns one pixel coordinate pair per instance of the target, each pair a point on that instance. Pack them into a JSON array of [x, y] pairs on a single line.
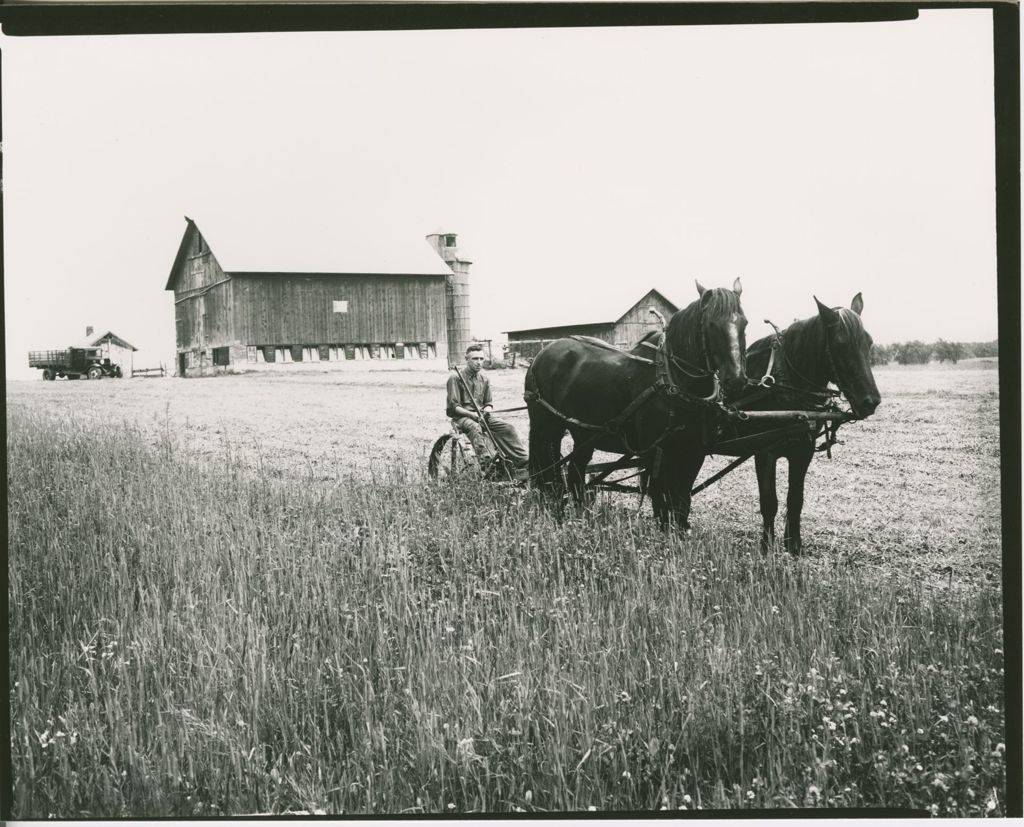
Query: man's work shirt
[[480, 386]]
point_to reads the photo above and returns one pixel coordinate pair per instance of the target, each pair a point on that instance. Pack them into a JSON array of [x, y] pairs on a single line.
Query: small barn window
[[296, 353], [341, 305], [269, 353], [449, 241], [221, 356]]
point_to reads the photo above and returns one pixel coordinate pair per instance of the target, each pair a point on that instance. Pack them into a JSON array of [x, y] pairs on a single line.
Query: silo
[[456, 295]]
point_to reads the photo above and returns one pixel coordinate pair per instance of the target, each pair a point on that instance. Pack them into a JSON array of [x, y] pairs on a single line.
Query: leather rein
[[664, 385], [826, 398]]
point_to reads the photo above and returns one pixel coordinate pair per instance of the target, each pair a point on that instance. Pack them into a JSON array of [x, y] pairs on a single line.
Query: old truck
[[73, 362]]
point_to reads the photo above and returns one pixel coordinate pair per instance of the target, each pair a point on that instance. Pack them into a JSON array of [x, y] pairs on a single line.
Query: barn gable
[[652, 298]]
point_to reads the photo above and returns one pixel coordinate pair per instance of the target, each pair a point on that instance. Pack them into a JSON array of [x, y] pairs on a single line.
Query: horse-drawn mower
[[682, 395]]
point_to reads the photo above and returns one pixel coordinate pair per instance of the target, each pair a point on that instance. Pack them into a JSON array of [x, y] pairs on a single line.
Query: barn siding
[[243, 311], [204, 320], [299, 309]]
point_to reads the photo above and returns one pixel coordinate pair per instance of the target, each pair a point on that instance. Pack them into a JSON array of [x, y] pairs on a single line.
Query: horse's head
[[848, 346], [722, 327]]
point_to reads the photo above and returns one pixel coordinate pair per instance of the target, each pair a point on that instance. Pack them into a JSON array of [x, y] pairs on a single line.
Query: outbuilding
[[112, 347], [615, 326]]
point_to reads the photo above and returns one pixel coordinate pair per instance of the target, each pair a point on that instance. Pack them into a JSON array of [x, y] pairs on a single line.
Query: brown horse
[[832, 346], [658, 410]]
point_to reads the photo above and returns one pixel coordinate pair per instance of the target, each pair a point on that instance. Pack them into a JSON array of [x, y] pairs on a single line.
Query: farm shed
[[247, 299], [112, 347], [623, 329]]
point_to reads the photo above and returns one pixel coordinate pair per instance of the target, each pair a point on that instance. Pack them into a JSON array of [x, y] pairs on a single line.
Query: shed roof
[[94, 340], [613, 308], [277, 246]]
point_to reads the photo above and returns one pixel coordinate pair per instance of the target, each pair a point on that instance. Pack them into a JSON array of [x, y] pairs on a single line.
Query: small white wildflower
[[687, 799], [750, 795], [528, 796], [972, 721], [592, 808]]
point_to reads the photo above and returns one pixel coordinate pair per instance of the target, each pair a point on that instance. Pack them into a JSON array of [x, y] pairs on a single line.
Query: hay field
[[240, 595]]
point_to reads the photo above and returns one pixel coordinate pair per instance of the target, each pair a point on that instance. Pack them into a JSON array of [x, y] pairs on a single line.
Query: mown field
[[240, 595]]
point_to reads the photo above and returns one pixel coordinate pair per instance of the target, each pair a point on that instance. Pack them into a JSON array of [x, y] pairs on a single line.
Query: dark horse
[[832, 346], [654, 408]]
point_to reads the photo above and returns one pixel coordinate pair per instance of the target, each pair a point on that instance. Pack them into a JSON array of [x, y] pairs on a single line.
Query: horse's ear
[[827, 313], [737, 288], [700, 287], [858, 304]]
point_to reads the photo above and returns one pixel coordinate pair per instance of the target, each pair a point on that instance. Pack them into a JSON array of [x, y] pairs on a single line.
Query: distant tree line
[[920, 353]]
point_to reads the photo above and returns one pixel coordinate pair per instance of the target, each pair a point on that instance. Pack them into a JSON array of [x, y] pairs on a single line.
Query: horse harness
[[663, 386], [823, 400]]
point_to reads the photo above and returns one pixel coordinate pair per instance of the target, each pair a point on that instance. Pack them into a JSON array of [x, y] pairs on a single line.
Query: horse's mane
[[683, 330], [804, 342]]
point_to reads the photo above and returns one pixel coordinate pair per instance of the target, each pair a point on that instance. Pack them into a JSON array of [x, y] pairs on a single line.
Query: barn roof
[[297, 246], [94, 339], [613, 308]]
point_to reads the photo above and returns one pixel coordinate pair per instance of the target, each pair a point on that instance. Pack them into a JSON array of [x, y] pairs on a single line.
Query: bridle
[[689, 369], [778, 346]]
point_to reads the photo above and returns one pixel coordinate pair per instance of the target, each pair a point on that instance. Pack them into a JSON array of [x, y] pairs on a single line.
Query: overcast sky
[[576, 165]]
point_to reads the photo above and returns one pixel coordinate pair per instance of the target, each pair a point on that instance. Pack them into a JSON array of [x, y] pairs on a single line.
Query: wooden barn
[[623, 329], [250, 300], [112, 347]]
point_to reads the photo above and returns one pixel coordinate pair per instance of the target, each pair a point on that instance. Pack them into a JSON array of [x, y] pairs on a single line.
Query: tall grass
[[188, 640]]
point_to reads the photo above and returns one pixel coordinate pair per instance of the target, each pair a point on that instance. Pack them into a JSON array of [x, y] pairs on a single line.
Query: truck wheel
[[95, 372], [118, 373], [47, 375]]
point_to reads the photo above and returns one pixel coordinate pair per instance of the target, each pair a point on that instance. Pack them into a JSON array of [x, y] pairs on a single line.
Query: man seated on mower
[[472, 394]]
